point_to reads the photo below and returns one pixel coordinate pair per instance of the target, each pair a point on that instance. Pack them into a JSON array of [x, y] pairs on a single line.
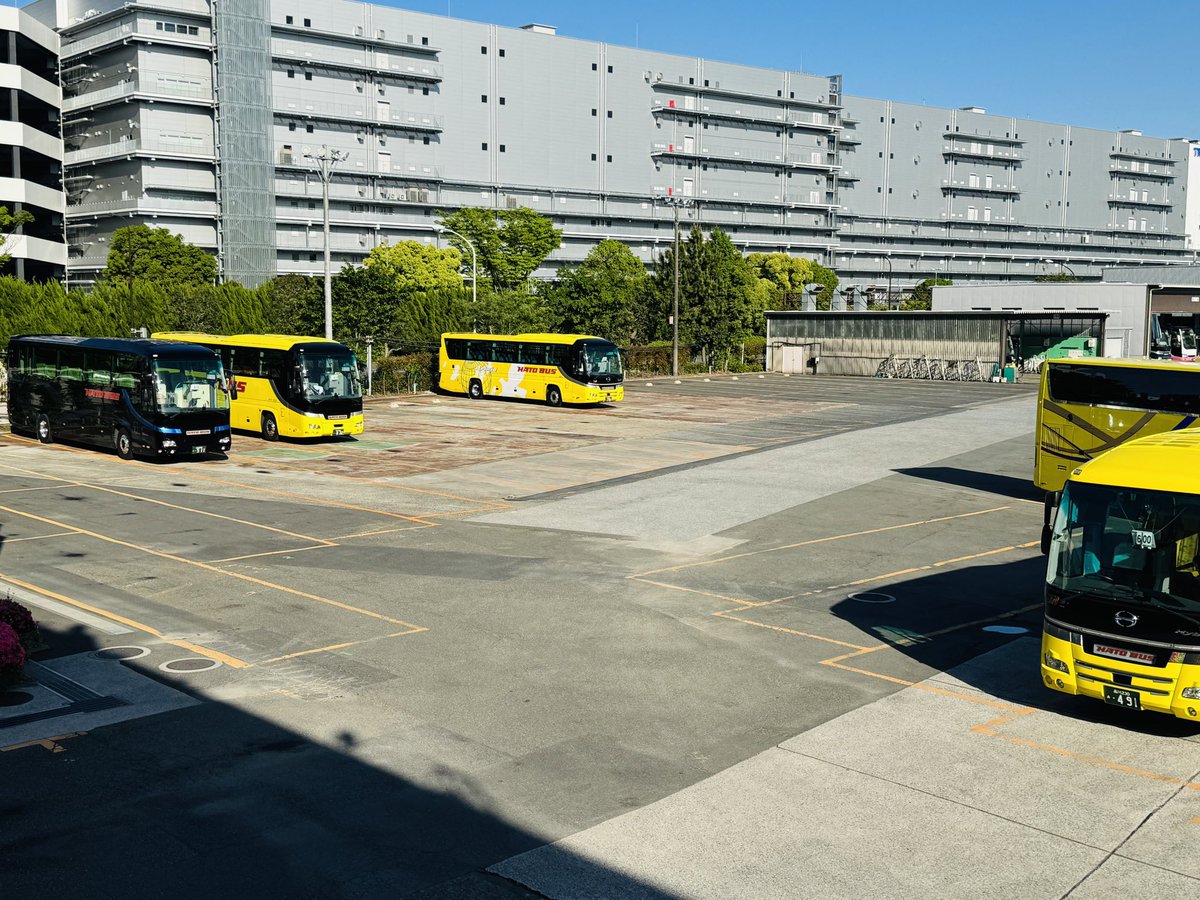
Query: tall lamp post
[[1061, 265], [888, 259], [441, 229], [676, 203], [325, 161]]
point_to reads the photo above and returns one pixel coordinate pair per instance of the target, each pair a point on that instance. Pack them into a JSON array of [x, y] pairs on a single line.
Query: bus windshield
[[1130, 545], [601, 359], [187, 385], [329, 375]]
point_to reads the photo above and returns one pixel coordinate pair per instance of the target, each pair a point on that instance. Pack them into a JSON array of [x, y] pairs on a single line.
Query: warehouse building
[[205, 119]]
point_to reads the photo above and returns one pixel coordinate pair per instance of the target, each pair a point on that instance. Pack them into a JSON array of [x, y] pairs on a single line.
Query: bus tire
[[124, 443], [475, 389], [45, 433], [270, 428], [553, 395]]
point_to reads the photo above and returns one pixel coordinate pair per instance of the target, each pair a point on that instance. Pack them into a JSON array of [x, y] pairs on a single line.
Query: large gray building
[[200, 116]]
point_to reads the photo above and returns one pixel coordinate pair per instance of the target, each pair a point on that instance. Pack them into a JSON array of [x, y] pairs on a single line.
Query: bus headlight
[[1053, 662], [1192, 693], [167, 442]]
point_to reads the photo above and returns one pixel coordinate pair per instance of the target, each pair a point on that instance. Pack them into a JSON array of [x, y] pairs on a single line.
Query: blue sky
[[1099, 64]]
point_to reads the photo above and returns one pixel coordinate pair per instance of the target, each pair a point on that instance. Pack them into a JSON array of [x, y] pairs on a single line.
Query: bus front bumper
[[605, 394], [322, 427], [1067, 669], [177, 447]]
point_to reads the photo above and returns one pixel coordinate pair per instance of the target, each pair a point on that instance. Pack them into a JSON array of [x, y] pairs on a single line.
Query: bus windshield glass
[[187, 385], [601, 359], [1135, 546], [329, 375]]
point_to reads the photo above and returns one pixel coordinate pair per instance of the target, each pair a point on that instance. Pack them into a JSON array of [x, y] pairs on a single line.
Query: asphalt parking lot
[[496, 649]]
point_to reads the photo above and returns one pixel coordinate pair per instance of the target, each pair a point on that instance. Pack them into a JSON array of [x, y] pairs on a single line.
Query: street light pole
[[676, 203], [888, 259], [325, 161], [474, 269]]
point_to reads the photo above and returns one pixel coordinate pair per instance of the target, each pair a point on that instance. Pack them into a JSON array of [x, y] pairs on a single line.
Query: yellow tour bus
[[556, 368], [288, 386], [1122, 614], [1089, 406]]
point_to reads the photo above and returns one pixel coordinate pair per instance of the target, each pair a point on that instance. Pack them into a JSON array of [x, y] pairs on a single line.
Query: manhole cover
[[189, 664], [872, 597], [14, 698], [1006, 629], [121, 653]]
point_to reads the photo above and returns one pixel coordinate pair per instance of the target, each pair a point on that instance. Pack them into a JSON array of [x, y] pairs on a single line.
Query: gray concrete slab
[[1119, 877], [709, 499]]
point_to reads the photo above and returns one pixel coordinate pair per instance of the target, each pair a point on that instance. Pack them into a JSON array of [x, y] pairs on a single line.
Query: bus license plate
[[1121, 697], [198, 451]]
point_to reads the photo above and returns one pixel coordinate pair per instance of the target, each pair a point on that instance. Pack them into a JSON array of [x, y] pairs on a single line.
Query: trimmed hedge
[[405, 374]]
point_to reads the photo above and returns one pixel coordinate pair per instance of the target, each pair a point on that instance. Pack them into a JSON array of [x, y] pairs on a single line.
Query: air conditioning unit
[[423, 196], [511, 202], [413, 195], [285, 159]]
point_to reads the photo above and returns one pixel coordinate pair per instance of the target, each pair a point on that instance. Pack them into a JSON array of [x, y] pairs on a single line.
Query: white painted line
[[65, 610]]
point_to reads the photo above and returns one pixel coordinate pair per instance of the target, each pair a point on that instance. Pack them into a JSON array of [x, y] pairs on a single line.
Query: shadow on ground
[[955, 601], [210, 801], [989, 482]]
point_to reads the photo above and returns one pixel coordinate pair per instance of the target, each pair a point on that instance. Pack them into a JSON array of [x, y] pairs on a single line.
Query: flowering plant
[[12, 654], [20, 619]]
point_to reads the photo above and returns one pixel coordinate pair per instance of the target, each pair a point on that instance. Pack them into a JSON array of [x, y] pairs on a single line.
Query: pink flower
[[12, 654]]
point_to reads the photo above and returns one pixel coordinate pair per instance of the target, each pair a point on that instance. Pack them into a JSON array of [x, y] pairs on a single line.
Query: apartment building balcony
[[345, 112], [1004, 153], [767, 160], [402, 69], [148, 86], [141, 147], [1141, 169], [965, 187], [714, 89], [170, 206], [815, 121], [129, 32], [1141, 157], [357, 37], [1150, 203], [295, 162], [847, 175], [982, 138], [849, 140]]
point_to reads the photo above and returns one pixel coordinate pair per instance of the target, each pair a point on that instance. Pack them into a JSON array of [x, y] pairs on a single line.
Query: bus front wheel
[[124, 444], [45, 433], [270, 428], [553, 395], [475, 389]]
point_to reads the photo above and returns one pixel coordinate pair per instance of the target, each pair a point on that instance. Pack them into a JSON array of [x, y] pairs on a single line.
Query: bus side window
[[455, 348], [506, 352], [479, 351], [100, 368], [70, 364], [125, 372], [534, 354], [45, 361], [274, 366]]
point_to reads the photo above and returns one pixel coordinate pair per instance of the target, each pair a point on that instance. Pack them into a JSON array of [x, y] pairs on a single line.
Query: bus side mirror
[[232, 382]]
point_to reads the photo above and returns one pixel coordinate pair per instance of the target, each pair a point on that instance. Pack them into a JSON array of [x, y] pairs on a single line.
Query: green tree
[[1057, 276], [722, 300], [155, 255], [295, 304], [921, 296], [508, 312], [510, 243], [415, 266], [365, 301], [422, 317], [9, 223], [602, 296], [788, 276]]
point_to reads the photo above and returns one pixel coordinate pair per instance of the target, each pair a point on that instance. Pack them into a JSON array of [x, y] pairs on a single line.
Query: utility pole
[[325, 161], [474, 268], [370, 366], [132, 259], [676, 203]]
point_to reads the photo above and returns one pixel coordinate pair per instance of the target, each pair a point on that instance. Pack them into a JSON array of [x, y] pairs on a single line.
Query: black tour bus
[[164, 399]]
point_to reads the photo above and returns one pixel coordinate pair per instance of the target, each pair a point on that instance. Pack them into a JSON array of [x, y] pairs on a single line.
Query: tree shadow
[[966, 605], [210, 800]]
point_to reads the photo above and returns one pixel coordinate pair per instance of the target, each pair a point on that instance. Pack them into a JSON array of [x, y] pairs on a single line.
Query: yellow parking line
[[341, 646], [225, 658], [823, 540], [199, 512], [37, 537], [211, 568], [325, 545]]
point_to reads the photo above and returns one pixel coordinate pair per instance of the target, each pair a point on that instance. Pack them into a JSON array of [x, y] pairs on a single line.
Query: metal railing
[[158, 84], [135, 145], [355, 112]]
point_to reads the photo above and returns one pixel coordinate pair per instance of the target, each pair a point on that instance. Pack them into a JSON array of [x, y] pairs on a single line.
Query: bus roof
[[260, 341], [1123, 363], [531, 338], [140, 346], [1160, 462]]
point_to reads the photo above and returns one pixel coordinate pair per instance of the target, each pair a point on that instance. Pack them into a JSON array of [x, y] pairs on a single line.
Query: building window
[[501, 101], [291, 126], [291, 73], [502, 148], [425, 91], [609, 157], [424, 42], [610, 70], [308, 23], [501, 51], [483, 49], [483, 98], [484, 145], [610, 113], [288, 20], [308, 76], [425, 140], [309, 128], [593, 112], [593, 157], [594, 67]]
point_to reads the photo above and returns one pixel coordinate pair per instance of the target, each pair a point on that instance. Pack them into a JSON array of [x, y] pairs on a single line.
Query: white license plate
[[197, 451]]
